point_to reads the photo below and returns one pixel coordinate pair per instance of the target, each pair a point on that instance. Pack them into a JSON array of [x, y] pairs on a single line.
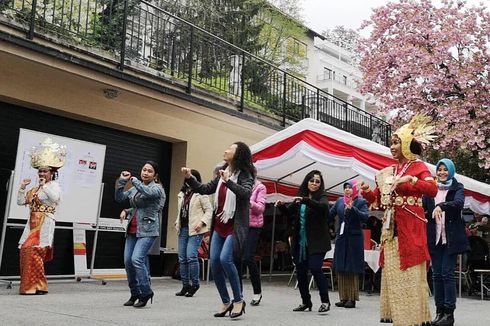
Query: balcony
[[138, 38], [338, 79]]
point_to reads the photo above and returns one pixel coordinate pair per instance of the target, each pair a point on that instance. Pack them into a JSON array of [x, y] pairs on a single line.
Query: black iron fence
[[141, 35]]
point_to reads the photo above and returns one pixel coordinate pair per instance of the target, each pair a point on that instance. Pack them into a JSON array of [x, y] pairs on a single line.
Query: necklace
[[404, 169]]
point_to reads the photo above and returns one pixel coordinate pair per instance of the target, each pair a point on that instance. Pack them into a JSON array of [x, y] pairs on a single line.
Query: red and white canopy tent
[[283, 159]]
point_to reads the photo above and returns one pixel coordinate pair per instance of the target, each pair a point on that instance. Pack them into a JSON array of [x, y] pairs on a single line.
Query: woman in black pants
[[310, 237], [257, 208]]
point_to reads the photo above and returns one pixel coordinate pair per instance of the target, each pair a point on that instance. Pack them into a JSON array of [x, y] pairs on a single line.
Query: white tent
[[283, 159]]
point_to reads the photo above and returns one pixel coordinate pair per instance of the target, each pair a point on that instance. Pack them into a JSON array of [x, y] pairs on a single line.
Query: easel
[[7, 279]]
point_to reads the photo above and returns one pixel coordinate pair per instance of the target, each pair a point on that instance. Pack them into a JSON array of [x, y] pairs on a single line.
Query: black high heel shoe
[[256, 302], [324, 307], [238, 314], [184, 291], [223, 313], [192, 290], [303, 307], [143, 300], [131, 301]]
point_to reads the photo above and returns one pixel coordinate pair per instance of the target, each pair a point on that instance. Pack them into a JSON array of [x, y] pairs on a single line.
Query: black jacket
[[242, 189], [317, 231], [457, 242]]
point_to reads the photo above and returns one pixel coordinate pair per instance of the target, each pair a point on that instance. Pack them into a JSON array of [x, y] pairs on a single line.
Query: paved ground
[[88, 303]]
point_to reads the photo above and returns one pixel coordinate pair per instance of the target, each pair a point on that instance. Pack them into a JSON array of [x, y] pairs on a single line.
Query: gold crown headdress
[[419, 129], [48, 154]]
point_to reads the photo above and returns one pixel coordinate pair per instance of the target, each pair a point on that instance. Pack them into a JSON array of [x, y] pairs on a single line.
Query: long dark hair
[[196, 174], [303, 189], [243, 159], [156, 168]]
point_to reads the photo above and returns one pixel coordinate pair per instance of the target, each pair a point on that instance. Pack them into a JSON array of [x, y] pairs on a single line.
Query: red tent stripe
[[325, 144], [479, 197]]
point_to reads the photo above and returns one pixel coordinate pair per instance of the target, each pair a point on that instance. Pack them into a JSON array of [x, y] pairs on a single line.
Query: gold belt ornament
[[43, 209], [404, 200]]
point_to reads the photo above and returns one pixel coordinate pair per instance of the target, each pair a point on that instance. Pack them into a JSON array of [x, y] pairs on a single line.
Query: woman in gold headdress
[[404, 289], [36, 242]]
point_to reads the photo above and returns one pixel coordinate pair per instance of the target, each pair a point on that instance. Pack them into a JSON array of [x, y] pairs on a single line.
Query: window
[[298, 48], [327, 73]]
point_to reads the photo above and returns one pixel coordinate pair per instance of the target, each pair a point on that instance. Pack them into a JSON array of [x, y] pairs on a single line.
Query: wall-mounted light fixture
[[111, 93]]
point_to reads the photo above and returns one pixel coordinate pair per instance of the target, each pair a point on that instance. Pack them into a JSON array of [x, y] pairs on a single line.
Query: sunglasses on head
[[315, 181]]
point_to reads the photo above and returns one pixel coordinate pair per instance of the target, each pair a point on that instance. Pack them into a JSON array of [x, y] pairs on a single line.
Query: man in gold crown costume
[[36, 242], [404, 289]]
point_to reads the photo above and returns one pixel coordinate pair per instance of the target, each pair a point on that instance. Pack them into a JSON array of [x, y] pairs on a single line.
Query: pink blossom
[[433, 59]]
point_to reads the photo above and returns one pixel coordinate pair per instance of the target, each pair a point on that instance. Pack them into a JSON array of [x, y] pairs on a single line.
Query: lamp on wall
[[111, 93]]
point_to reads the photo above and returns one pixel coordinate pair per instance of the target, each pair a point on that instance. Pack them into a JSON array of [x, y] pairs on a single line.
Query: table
[[483, 286], [371, 257]]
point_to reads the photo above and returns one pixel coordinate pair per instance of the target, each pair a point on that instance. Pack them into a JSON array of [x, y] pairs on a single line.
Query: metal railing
[[141, 35]]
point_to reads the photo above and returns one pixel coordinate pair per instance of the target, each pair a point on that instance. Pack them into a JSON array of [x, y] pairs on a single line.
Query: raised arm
[[242, 189], [153, 190], [52, 191], [120, 195], [21, 194], [425, 183], [21, 197], [203, 188], [319, 204]]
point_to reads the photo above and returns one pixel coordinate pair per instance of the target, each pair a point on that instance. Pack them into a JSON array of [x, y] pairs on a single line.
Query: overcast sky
[[326, 14]]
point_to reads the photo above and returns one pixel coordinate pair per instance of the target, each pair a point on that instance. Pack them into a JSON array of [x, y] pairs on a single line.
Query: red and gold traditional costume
[[36, 242], [404, 257]]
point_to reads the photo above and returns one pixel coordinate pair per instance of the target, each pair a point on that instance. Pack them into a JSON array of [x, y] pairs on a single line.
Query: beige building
[[166, 91]]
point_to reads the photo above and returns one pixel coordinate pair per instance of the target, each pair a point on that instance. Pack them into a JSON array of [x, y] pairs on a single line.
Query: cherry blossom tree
[[431, 58]]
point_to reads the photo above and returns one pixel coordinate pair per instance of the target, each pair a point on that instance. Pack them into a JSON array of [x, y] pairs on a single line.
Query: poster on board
[[80, 178]]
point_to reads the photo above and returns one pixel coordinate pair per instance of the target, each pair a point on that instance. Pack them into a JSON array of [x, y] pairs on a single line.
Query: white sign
[[80, 178]]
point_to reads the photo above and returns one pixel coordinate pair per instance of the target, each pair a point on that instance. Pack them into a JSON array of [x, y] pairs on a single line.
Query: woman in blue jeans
[[232, 189], [446, 238], [144, 196], [194, 215]]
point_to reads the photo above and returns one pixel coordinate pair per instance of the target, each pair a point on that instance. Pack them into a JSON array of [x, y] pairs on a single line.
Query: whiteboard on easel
[[80, 178]]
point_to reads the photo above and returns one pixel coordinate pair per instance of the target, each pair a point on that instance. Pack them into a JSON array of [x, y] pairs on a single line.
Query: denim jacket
[[145, 201]]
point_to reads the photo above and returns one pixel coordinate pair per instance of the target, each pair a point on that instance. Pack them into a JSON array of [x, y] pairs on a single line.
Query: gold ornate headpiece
[[48, 154], [419, 129]]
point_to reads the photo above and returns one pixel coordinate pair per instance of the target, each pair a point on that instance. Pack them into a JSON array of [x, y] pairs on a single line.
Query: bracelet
[[414, 181]]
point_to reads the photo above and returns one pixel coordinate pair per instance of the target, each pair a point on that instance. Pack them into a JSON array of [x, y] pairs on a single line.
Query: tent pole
[[297, 170], [341, 182], [272, 243]]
